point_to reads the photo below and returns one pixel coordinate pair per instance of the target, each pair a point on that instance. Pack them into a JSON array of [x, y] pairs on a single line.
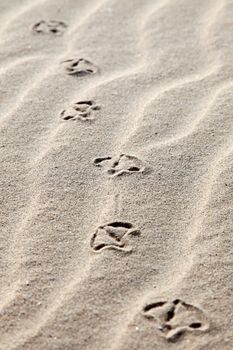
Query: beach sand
[[116, 152]]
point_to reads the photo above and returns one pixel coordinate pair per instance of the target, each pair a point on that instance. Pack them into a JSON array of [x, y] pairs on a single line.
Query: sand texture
[[116, 176]]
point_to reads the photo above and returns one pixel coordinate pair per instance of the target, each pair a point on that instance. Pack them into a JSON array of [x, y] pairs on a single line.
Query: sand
[[116, 144]]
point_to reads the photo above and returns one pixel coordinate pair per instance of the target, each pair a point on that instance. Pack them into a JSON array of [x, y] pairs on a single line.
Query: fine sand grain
[[116, 152]]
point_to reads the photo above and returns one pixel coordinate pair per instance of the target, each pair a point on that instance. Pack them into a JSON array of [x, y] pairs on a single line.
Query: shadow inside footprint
[[79, 67], [49, 27], [82, 110], [113, 236], [124, 164], [174, 319]]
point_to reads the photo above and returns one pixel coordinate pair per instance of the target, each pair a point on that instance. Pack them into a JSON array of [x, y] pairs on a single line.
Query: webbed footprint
[[124, 164], [79, 67], [49, 27], [82, 110], [113, 236], [173, 319]]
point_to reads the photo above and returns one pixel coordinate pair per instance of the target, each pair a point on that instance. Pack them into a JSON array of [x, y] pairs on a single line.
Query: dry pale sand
[[116, 151]]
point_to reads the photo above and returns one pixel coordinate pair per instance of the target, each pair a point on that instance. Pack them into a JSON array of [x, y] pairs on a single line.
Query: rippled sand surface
[[116, 176]]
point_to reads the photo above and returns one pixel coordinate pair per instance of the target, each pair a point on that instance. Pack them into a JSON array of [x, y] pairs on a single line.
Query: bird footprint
[[79, 67], [113, 236], [82, 110], [49, 27], [175, 318], [121, 165]]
